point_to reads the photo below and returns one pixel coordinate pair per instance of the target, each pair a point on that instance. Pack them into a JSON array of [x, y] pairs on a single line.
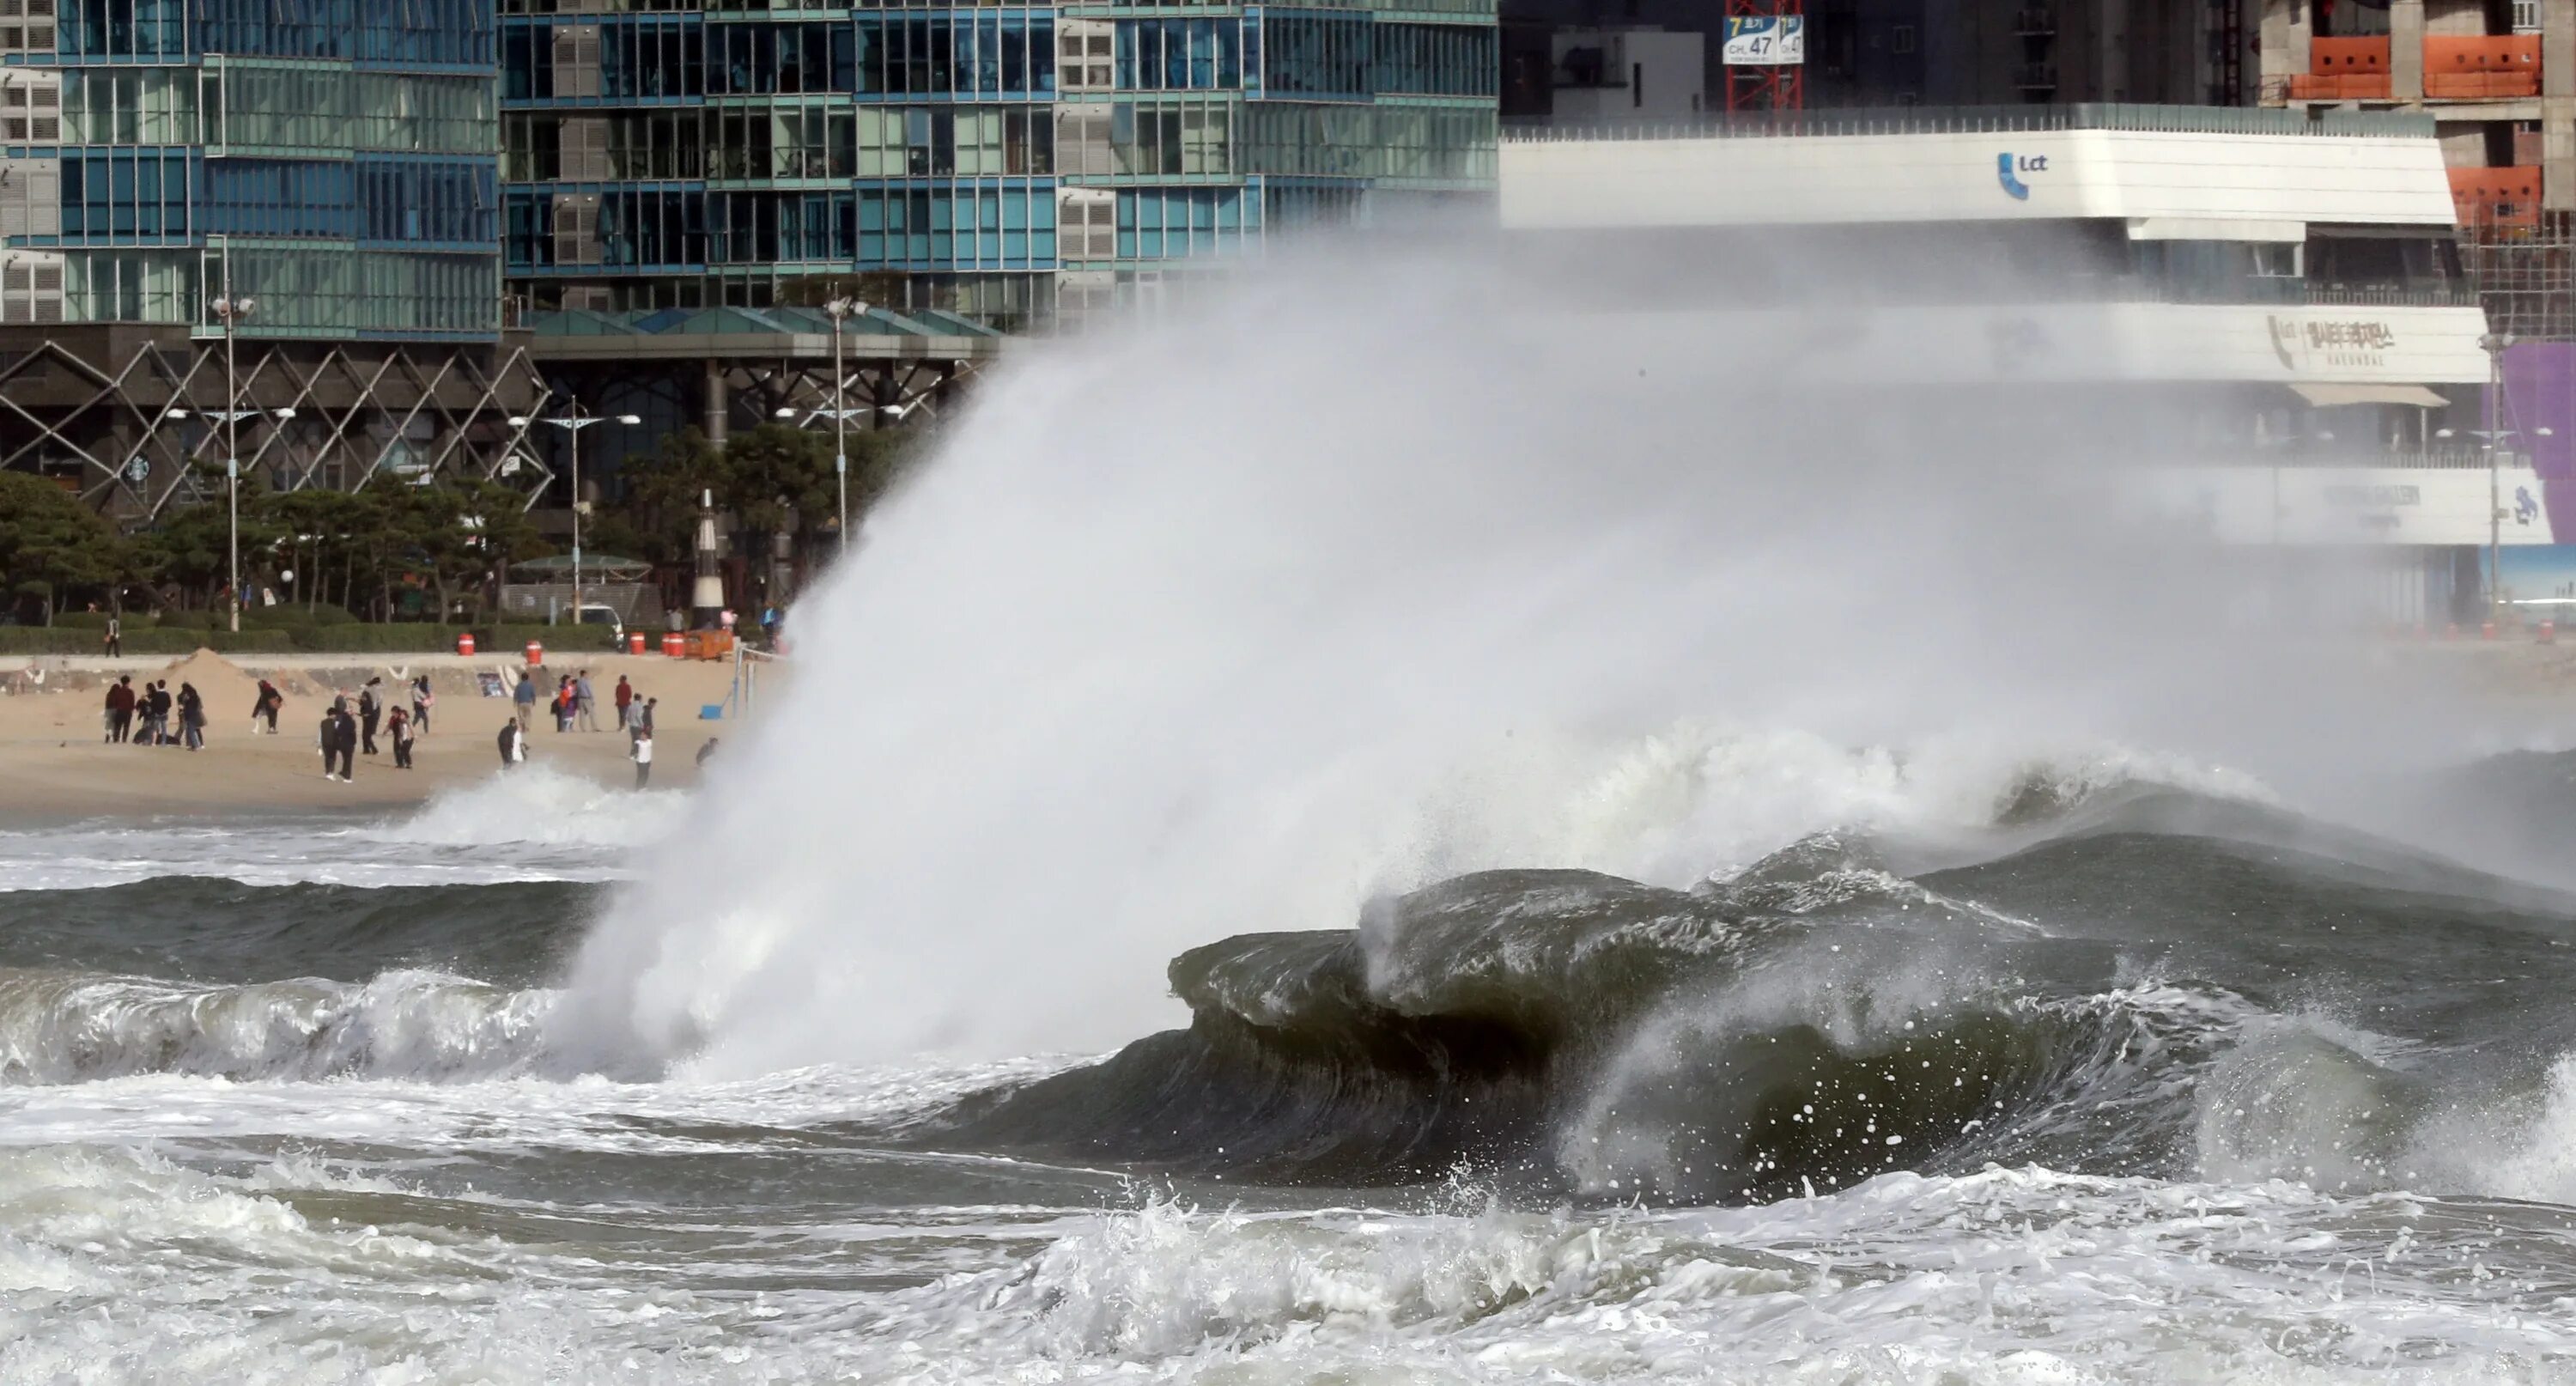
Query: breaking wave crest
[[65, 1028]]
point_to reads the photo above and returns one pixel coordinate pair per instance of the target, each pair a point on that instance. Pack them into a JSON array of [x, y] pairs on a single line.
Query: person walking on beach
[[563, 703], [643, 756], [707, 750], [524, 697], [644, 718], [115, 638], [371, 709], [329, 737], [344, 741], [421, 698], [514, 744], [120, 709], [192, 717], [270, 700], [625, 697], [585, 706], [398, 730]]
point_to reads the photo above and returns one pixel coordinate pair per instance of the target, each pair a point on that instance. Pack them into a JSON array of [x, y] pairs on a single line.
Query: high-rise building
[[985, 159], [689, 184], [329, 168]]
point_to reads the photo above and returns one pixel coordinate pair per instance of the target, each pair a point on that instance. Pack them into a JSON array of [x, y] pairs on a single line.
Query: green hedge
[[253, 618], [58, 640]]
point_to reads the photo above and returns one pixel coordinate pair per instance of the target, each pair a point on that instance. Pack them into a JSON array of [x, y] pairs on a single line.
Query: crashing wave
[[2105, 1001], [73, 1028]]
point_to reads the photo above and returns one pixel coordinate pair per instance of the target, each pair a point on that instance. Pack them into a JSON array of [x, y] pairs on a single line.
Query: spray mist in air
[[1377, 570]]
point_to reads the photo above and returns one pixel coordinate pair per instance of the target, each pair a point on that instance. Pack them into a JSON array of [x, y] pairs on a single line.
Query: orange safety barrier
[[2360, 87], [2344, 69], [707, 644], [2496, 196], [2481, 68], [2340, 56]]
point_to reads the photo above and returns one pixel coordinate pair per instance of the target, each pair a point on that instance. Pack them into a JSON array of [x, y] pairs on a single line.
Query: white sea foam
[[541, 806], [537, 824], [120, 1266]]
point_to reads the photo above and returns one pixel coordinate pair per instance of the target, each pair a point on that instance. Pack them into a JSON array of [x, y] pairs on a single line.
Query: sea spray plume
[[1345, 581]]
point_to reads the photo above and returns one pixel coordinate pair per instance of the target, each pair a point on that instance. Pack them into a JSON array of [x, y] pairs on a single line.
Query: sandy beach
[[54, 765]]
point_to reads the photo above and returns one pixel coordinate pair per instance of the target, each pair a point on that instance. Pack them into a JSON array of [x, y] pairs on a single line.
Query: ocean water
[[2112, 1071]]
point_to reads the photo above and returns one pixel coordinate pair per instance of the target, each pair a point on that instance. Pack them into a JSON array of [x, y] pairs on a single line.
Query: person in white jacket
[[643, 756]]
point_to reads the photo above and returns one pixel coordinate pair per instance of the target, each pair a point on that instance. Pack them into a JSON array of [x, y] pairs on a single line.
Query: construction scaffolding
[[2522, 262]]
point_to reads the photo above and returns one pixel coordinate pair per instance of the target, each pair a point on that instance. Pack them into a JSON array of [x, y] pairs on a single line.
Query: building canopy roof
[[714, 322], [595, 566]]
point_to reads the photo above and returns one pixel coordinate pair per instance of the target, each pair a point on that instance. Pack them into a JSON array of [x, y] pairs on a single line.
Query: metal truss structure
[[93, 404]]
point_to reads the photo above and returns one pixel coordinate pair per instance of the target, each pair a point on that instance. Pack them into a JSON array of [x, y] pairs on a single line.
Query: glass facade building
[[337, 160], [992, 159]]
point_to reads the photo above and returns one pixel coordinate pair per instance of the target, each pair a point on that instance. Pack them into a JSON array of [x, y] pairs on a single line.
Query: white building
[[2289, 284]]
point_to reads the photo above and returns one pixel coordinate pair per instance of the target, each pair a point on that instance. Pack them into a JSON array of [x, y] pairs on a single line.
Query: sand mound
[[223, 684], [230, 692]]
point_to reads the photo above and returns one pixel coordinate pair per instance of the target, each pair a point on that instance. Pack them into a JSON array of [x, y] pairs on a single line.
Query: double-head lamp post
[[230, 309], [841, 413], [838, 309], [572, 423]]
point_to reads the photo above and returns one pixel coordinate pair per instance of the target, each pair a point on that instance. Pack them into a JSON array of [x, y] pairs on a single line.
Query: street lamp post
[[230, 309], [231, 420], [836, 310], [572, 423], [2492, 435]]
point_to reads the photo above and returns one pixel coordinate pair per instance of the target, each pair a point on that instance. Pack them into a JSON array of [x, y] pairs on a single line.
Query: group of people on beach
[[143, 717], [574, 705], [347, 734], [152, 715]]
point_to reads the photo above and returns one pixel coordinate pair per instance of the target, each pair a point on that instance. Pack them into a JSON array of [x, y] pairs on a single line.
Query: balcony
[[2496, 199], [2501, 68], [2035, 76], [2344, 69], [2035, 22]]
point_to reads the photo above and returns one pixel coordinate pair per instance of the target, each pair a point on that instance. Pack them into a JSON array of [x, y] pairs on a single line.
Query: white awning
[[2218, 229], [2328, 396]]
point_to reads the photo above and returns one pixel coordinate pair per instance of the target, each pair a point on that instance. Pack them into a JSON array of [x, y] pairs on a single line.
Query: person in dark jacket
[[512, 739], [348, 743], [270, 700], [398, 731], [156, 717], [192, 717], [120, 709], [339, 742], [371, 709]]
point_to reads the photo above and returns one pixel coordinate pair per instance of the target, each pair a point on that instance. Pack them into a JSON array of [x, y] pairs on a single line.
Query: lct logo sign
[[2009, 169]]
